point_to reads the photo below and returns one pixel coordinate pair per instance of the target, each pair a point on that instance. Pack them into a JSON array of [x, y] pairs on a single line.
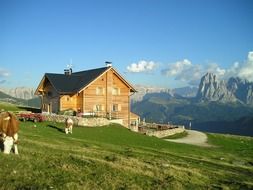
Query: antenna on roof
[[70, 65], [68, 71]]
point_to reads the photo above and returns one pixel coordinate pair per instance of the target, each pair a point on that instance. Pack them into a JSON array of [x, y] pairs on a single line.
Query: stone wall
[[95, 121], [117, 121], [165, 133], [92, 122]]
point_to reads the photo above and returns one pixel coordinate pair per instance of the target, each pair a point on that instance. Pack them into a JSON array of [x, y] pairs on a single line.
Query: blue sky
[[166, 43]]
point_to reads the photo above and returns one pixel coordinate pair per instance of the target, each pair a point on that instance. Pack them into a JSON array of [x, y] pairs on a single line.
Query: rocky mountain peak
[[243, 89], [19, 92], [235, 89], [211, 89]]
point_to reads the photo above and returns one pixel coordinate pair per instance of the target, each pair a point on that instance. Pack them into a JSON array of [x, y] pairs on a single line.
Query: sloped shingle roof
[[67, 84]]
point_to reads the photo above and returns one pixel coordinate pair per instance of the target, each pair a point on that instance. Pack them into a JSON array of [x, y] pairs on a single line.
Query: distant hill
[[7, 98], [19, 92], [181, 110], [234, 118], [187, 91], [144, 91], [242, 126], [34, 102]]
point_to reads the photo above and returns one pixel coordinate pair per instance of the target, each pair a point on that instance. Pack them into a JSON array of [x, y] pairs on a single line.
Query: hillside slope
[[112, 157], [206, 116]]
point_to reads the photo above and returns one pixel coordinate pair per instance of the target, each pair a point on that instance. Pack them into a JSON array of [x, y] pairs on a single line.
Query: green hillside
[[112, 157], [9, 106], [205, 116], [13, 107]]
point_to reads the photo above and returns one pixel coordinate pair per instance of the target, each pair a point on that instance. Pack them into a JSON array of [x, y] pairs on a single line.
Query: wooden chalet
[[101, 92]]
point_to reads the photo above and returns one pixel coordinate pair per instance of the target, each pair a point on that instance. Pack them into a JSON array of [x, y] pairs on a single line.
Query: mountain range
[[218, 105], [144, 91], [25, 93], [233, 90], [33, 102]]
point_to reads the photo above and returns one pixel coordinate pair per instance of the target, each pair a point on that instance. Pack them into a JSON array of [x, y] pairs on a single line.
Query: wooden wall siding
[[79, 101], [108, 81], [50, 100], [91, 96], [71, 102], [68, 102]]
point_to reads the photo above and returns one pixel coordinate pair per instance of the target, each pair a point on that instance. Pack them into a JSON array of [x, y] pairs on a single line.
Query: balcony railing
[[108, 115]]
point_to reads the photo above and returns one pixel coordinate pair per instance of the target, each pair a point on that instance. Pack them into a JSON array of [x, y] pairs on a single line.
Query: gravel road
[[194, 137]]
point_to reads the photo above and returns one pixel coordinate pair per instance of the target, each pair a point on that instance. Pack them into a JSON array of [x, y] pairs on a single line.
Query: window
[[67, 98], [115, 91], [98, 107], [99, 91], [116, 107]]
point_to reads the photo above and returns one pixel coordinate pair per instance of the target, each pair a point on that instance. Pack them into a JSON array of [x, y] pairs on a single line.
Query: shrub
[[69, 112]]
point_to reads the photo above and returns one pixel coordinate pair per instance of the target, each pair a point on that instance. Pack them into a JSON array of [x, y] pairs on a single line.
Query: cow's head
[[8, 129]]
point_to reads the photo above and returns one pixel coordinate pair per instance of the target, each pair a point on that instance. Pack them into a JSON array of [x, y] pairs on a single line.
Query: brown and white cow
[[68, 125], [9, 126]]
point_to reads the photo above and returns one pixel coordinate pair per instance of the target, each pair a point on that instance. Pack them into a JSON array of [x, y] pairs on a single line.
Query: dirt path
[[194, 138]]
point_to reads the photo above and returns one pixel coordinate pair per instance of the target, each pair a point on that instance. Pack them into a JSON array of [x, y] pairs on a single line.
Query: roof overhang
[[40, 86]]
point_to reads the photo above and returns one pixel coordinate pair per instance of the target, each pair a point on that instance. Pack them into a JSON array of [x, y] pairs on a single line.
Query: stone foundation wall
[[117, 121], [164, 133], [92, 122]]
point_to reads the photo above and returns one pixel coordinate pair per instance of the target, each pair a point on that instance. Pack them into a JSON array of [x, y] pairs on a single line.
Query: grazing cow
[[9, 126], [68, 125]]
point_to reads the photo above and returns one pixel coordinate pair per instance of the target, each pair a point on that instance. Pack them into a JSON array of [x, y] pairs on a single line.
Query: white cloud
[[142, 66], [4, 73], [243, 70], [246, 69], [176, 68], [232, 71], [214, 68], [2, 81], [187, 72]]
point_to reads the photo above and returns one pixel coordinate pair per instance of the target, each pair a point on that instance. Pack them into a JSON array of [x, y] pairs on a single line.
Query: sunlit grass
[[112, 157]]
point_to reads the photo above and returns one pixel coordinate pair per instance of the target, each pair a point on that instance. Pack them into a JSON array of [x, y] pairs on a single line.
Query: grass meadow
[[112, 157]]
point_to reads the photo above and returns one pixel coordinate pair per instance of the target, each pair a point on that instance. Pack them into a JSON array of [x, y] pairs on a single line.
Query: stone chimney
[[68, 71], [108, 64]]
